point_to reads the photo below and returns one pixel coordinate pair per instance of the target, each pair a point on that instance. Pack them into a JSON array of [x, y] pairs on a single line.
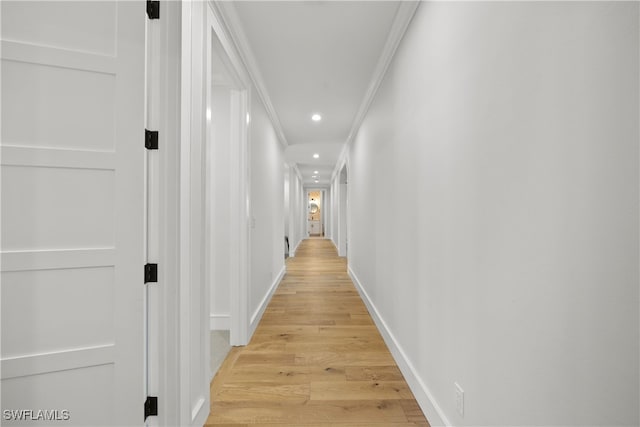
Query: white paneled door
[[72, 206]]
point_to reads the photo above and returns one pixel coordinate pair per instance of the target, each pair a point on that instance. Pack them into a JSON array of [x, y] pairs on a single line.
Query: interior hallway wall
[[333, 214], [220, 175], [326, 214], [338, 228], [267, 206], [287, 198], [493, 190], [296, 211]]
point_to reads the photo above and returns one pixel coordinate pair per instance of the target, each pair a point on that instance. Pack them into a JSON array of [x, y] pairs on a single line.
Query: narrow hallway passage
[[316, 359]]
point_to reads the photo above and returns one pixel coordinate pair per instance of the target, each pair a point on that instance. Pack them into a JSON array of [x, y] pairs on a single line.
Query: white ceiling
[[302, 156], [315, 57]]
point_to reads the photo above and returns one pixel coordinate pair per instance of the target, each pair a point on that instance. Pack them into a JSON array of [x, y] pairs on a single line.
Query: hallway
[[316, 358], [477, 161]]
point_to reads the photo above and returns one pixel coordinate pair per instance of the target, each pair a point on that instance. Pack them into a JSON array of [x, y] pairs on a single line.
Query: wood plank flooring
[[316, 359]]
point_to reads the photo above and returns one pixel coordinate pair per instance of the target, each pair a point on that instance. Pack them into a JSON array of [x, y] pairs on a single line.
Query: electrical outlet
[[459, 399]]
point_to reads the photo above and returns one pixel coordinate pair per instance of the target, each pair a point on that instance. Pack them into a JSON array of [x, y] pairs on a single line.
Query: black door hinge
[[151, 139], [150, 406], [153, 9], [150, 273]]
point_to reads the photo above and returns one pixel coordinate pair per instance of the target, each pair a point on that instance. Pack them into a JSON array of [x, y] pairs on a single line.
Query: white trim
[[401, 22], [57, 258], [167, 306], [74, 358], [184, 205], [219, 322], [292, 252], [257, 315], [236, 65], [295, 167], [53, 56], [241, 98], [334, 244], [423, 395], [241, 274], [198, 416], [58, 158], [342, 160], [230, 19]]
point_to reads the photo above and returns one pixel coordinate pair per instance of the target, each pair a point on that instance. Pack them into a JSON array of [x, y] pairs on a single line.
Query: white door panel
[[88, 26], [72, 206], [57, 207], [65, 108]]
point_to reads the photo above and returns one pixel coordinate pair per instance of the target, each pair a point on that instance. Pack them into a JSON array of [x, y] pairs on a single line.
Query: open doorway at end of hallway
[[315, 214]]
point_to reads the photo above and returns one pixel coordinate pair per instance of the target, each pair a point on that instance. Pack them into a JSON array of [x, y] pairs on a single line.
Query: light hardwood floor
[[316, 358]]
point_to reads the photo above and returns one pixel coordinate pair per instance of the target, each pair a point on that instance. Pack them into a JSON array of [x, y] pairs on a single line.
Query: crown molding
[[295, 167], [404, 15], [342, 161], [236, 66], [233, 26]]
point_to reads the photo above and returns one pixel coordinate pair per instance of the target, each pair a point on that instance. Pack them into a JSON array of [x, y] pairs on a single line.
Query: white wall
[[342, 219], [297, 211], [221, 197], [335, 209], [338, 224], [326, 212], [267, 206], [493, 190], [287, 198]]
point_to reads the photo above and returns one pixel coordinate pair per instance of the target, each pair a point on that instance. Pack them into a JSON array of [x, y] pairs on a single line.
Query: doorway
[[315, 214], [225, 176], [343, 241], [287, 201]]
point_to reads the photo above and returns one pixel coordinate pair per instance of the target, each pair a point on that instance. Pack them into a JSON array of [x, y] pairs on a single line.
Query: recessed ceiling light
[[317, 180], [316, 117], [315, 172], [314, 176], [315, 156]]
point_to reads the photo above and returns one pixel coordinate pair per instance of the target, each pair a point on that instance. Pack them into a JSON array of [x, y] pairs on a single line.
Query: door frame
[[173, 111], [239, 148], [167, 57], [323, 210], [343, 210]]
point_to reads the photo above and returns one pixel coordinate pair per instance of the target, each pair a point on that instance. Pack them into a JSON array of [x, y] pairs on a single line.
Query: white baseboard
[[434, 413], [257, 315], [200, 413], [292, 252], [219, 322]]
